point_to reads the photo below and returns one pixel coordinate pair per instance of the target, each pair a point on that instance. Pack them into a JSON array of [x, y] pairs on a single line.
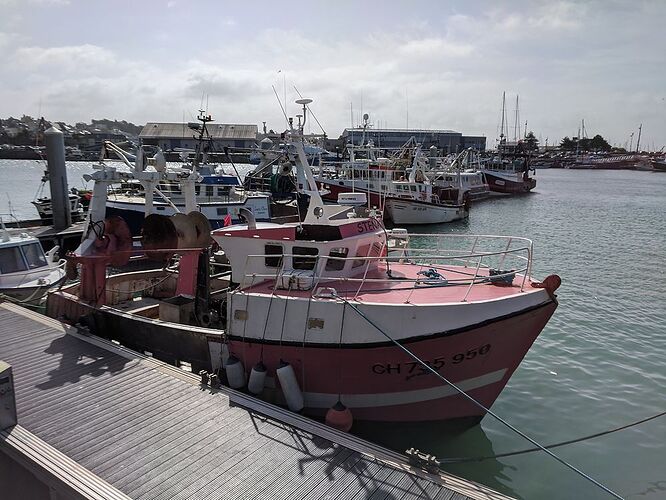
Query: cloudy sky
[[426, 64]]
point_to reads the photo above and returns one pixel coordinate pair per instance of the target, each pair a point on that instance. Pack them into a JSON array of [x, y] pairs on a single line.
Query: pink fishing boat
[[322, 315]]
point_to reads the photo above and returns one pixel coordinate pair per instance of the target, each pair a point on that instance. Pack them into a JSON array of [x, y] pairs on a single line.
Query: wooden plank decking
[[153, 432]]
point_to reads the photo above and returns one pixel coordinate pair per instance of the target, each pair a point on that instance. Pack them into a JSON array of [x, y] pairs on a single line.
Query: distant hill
[[123, 126]]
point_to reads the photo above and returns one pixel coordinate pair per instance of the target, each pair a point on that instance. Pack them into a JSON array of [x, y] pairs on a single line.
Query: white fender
[[235, 373], [257, 379], [290, 389], [224, 353]]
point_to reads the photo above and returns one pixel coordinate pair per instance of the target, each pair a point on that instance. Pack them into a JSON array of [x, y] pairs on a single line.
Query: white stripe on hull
[[323, 400]]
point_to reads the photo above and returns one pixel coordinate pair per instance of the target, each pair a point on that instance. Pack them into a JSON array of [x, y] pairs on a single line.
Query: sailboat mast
[[516, 126], [638, 141], [503, 115]]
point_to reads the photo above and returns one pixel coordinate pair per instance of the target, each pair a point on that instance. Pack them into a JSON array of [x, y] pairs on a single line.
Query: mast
[[638, 141], [516, 123], [502, 118]]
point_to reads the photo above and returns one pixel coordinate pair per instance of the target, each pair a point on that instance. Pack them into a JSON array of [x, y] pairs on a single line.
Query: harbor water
[[598, 364]]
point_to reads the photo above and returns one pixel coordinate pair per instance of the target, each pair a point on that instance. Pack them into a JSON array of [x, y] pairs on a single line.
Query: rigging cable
[[477, 403]]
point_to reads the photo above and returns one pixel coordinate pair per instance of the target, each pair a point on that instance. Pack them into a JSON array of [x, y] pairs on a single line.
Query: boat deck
[[151, 431], [400, 288]]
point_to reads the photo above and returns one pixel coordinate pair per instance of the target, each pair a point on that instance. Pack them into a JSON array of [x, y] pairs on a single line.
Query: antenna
[[313, 115], [280, 103], [303, 102], [407, 101]]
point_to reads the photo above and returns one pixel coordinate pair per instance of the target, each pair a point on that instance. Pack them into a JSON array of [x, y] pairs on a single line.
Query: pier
[[96, 420]]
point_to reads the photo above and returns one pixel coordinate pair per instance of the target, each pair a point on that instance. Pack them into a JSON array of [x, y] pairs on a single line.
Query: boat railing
[[474, 267], [29, 274]]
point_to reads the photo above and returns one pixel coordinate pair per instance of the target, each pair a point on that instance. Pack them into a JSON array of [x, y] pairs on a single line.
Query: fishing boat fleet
[[334, 312]]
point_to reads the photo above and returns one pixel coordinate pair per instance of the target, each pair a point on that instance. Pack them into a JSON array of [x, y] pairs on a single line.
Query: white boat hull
[[31, 286], [403, 211]]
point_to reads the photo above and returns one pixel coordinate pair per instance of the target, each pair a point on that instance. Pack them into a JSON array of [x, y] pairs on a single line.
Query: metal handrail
[[319, 267]]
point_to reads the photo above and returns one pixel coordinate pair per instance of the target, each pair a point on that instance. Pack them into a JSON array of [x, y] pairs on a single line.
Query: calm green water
[[600, 362]]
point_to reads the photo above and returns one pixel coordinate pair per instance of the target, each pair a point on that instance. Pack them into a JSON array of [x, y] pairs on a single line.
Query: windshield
[[34, 255], [11, 260]]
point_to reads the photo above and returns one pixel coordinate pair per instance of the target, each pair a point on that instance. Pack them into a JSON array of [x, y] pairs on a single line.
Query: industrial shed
[[170, 136]]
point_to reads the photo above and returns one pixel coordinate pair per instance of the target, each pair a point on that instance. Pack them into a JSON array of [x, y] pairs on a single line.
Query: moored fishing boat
[[26, 272], [659, 165], [218, 194], [314, 312], [428, 209]]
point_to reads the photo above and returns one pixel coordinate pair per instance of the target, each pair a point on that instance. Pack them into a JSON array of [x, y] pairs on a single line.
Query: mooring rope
[[477, 403], [554, 445]]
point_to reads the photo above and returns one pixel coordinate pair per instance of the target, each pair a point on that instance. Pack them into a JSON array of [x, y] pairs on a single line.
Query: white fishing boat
[[459, 173], [218, 195], [399, 185], [26, 272], [412, 211]]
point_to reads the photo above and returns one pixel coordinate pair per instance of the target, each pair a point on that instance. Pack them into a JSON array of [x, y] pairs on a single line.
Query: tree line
[[596, 143]]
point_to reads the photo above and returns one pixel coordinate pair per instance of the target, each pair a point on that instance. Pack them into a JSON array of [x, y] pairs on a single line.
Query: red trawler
[[313, 314]]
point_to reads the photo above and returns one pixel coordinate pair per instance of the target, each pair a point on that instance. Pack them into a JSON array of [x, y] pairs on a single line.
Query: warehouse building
[[170, 136], [447, 141]]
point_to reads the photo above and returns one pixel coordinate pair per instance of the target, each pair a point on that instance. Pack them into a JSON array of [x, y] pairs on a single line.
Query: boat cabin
[[21, 254], [299, 254]]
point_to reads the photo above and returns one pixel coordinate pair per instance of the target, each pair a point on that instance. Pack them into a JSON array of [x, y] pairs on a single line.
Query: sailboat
[[508, 170]]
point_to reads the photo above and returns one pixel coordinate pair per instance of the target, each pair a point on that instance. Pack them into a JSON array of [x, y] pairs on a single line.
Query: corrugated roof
[[155, 130], [152, 432], [412, 131]]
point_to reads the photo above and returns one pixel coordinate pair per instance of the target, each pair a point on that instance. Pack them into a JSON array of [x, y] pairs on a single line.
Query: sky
[[418, 64]]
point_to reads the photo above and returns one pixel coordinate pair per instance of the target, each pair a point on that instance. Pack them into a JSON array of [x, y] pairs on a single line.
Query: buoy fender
[[290, 389]]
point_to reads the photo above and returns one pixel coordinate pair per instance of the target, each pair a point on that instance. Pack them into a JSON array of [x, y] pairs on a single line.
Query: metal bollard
[[7, 398]]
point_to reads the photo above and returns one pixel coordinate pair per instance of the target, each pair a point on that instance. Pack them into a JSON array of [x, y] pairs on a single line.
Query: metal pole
[[55, 157], [7, 398]]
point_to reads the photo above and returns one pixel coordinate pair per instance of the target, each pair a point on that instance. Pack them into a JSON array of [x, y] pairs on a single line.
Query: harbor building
[[169, 136], [447, 141]]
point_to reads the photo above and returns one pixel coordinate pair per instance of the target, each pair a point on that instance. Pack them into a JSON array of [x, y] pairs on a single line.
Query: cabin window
[[304, 258], [413, 187], [222, 211], [335, 262], [34, 255], [365, 251], [11, 260], [175, 189], [273, 255], [209, 191], [197, 190]]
